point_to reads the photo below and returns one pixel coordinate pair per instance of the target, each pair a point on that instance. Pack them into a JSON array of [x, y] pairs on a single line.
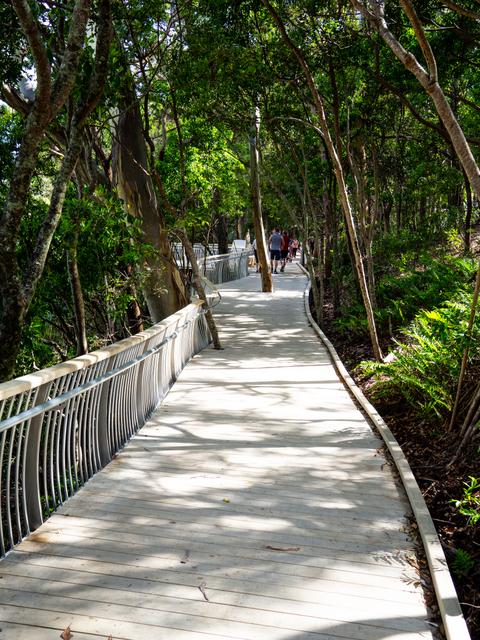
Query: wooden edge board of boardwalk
[[259, 472]]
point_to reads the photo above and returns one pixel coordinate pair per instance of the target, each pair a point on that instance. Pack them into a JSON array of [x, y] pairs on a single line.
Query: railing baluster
[[58, 427], [31, 481]]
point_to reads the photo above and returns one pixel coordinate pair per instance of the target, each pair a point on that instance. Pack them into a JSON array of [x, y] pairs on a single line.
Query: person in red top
[[284, 249]]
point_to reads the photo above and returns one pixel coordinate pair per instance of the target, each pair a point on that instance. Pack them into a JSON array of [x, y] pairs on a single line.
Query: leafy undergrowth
[[428, 450]]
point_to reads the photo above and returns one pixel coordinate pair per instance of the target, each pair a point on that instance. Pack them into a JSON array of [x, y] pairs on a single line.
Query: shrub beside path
[[256, 484]]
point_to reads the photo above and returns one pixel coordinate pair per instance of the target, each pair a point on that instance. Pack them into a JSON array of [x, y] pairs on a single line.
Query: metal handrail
[[226, 267], [61, 400], [60, 426]]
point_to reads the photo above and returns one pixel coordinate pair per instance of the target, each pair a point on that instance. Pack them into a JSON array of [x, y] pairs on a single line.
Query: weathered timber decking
[[260, 466]]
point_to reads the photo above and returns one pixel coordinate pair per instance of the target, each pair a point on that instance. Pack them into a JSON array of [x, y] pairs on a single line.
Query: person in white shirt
[[257, 265]]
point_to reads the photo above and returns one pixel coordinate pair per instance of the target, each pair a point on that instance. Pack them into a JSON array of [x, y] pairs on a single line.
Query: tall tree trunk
[[340, 179], [222, 234], [468, 216], [197, 282], [17, 289], [321, 295], [221, 228], [267, 280], [399, 213], [336, 258], [311, 272], [17, 295], [328, 234], [163, 288], [371, 276], [239, 222]]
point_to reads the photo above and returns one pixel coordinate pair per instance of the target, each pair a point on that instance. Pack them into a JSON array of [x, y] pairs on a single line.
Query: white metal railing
[[211, 251], [59, 426], [199, 249], [226, 267]]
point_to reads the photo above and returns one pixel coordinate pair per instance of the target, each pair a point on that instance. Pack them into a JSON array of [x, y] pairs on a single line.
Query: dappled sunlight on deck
[[261, 475]]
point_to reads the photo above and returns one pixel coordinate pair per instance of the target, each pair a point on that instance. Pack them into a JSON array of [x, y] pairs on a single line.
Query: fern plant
[[462, 564], [426, 367]]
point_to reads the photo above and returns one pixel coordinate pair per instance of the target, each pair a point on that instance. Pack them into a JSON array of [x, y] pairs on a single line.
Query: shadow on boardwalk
[[258, 468]]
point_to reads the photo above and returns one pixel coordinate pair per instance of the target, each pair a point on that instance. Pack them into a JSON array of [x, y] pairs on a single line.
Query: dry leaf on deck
[[202, 589], [66, 635]]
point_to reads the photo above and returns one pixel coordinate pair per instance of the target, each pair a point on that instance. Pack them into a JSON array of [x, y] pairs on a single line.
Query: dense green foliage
[[426, 366], [199, 76]]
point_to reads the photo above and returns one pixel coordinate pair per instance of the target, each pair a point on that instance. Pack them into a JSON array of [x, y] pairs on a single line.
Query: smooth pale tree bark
[[17, 288], [187, 245], [321, 293], [429, 81], [266, 275], [302, 223], [339, 176], [366, 219], [197, 283], [327, 208], [163, 289], [374, 12]]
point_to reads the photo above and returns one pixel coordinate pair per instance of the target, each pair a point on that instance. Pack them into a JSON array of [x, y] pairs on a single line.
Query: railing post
[[103, 448], [33, 505], [139, 393]]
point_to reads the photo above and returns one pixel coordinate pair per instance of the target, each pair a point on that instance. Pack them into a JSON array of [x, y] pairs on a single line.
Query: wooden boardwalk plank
[[393, 591], [256, 446]]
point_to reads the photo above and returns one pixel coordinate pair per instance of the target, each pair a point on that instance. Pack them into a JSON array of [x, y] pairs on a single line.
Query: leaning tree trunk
[[17, 295], [163, 289], [50, 96], [321, 296], [267, 281], [340, 180], [197, 283], [311, 272]]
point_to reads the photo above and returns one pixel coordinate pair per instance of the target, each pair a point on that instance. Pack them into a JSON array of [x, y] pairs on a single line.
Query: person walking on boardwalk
[[257, 265], [295, 244], [274, 245], [284, 249]]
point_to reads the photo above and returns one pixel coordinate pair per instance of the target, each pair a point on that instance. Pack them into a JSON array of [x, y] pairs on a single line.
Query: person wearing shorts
[[294, 247], [274, 245], [284, 249]]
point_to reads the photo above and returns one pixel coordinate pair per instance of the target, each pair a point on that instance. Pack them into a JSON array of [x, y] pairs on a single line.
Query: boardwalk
[[258, 468]]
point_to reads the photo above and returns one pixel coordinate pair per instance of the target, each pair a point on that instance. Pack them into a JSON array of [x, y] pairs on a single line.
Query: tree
[[17, 288], [320, 114]]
